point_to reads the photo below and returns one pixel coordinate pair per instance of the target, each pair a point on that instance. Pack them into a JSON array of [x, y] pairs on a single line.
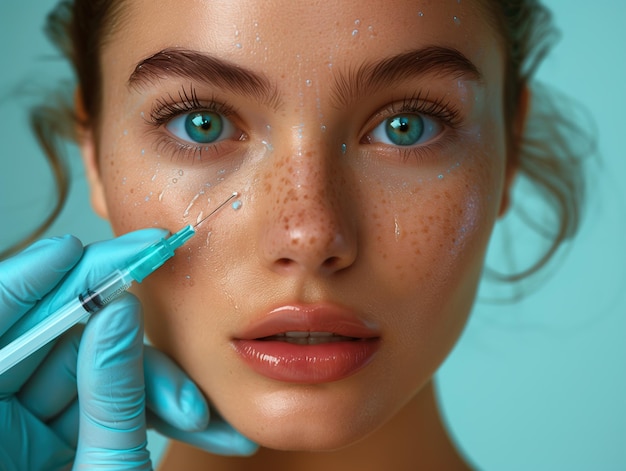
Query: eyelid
[[166, 109]]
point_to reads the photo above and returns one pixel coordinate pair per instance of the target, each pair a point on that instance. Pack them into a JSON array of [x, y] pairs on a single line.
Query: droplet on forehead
[[344, 148], [308, 82], [237, 204], [457, 20]]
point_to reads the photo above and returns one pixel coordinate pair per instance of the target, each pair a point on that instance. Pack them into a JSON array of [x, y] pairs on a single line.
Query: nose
[[310, 228]]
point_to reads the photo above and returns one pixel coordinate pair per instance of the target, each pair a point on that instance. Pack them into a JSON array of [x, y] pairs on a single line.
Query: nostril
[[330, 262], [284, 262]]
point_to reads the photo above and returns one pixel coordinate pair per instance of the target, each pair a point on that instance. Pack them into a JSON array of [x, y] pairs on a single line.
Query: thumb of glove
[[111, 392]]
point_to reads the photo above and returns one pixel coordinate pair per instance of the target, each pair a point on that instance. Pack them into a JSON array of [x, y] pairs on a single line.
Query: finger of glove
[[99, 260], [171, 395], [56, 373], [28, 276], [111, 394], [27, 443], [219, 437], [65, 425]]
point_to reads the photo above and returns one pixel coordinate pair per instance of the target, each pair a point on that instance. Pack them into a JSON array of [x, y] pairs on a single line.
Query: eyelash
[[164, 110]]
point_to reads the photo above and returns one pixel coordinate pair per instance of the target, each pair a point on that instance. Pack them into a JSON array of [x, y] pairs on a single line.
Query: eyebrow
[[371, 77], [198, 66]]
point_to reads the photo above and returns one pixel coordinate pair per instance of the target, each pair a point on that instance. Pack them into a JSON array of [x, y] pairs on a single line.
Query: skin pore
[[333, 213]]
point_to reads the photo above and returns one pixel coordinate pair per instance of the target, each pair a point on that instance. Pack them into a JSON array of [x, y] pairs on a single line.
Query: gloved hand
[[53, 414]]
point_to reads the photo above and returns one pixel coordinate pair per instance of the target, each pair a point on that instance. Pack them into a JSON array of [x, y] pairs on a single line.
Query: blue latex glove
[[49, 419]]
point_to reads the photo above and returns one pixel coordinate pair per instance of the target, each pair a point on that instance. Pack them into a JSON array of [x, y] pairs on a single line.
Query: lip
[[315, 363]]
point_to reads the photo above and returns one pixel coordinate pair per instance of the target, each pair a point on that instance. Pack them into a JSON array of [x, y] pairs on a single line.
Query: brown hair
[[544, 155]]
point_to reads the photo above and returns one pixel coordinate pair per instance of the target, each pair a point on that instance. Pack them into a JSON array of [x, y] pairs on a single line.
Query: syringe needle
[[234, 195]]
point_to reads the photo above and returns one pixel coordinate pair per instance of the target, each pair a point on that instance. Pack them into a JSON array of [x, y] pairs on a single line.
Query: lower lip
[[310, 364]]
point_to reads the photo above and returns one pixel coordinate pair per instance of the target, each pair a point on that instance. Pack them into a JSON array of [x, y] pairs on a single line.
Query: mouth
[[307, 344], [309, 338]]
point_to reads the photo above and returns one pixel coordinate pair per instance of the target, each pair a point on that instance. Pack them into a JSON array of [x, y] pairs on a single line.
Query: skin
[[398, 239]]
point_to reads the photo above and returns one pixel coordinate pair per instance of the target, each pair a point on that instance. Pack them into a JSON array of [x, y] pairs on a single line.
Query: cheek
[[145, 189], [431, 229]]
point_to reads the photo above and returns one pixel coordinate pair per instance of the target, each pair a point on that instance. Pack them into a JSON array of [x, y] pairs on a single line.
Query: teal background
[[540, 384]]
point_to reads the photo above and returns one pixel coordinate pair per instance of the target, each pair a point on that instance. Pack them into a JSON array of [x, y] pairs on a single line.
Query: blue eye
[[201, 127], [406, 130]]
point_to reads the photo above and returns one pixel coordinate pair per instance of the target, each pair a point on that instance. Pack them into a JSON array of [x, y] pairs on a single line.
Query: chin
[[307, 418], [307, 437]]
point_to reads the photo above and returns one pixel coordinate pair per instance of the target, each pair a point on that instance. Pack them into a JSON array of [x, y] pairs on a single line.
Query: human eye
[[201, 127], [193, 127], [412, 125], [406, 130]]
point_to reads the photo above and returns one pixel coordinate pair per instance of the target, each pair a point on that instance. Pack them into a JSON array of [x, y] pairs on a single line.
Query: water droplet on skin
[[143, 151], [355, 32], [124, 181], [457, 20], [323, 128], [238, 45], [396, 228], [180, 172], [188, 208], [125, 132], [344, 148], [237, 205], [440, 177], [174, 180], [268, 146], [308, 83], [420, 13], [357, 22]]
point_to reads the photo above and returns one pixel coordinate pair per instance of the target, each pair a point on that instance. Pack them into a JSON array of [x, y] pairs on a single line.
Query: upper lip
[[321, 317]]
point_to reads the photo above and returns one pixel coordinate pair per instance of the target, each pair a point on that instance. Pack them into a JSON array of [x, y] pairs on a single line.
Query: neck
[[414, 439]]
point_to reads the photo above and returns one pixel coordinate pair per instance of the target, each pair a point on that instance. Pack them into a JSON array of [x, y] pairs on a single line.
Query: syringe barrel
[[106, 291]]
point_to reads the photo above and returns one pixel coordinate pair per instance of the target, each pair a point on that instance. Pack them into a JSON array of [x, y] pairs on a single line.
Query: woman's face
[[367, 143]]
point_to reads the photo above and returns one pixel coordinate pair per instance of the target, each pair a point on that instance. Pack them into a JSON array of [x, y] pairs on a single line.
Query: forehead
[[279, 37]]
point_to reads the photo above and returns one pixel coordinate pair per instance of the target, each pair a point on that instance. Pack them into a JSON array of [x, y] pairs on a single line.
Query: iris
[[404, 129], [204, 126]]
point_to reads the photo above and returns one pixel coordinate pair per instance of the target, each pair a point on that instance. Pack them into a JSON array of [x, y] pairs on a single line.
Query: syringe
[[94, 299]]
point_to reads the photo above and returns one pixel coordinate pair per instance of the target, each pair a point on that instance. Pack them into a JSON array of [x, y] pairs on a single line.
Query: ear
[[88, 150], [519, 124]]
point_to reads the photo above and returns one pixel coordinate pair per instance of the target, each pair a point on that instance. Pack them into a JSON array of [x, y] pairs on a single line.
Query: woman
[[373, 150]]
